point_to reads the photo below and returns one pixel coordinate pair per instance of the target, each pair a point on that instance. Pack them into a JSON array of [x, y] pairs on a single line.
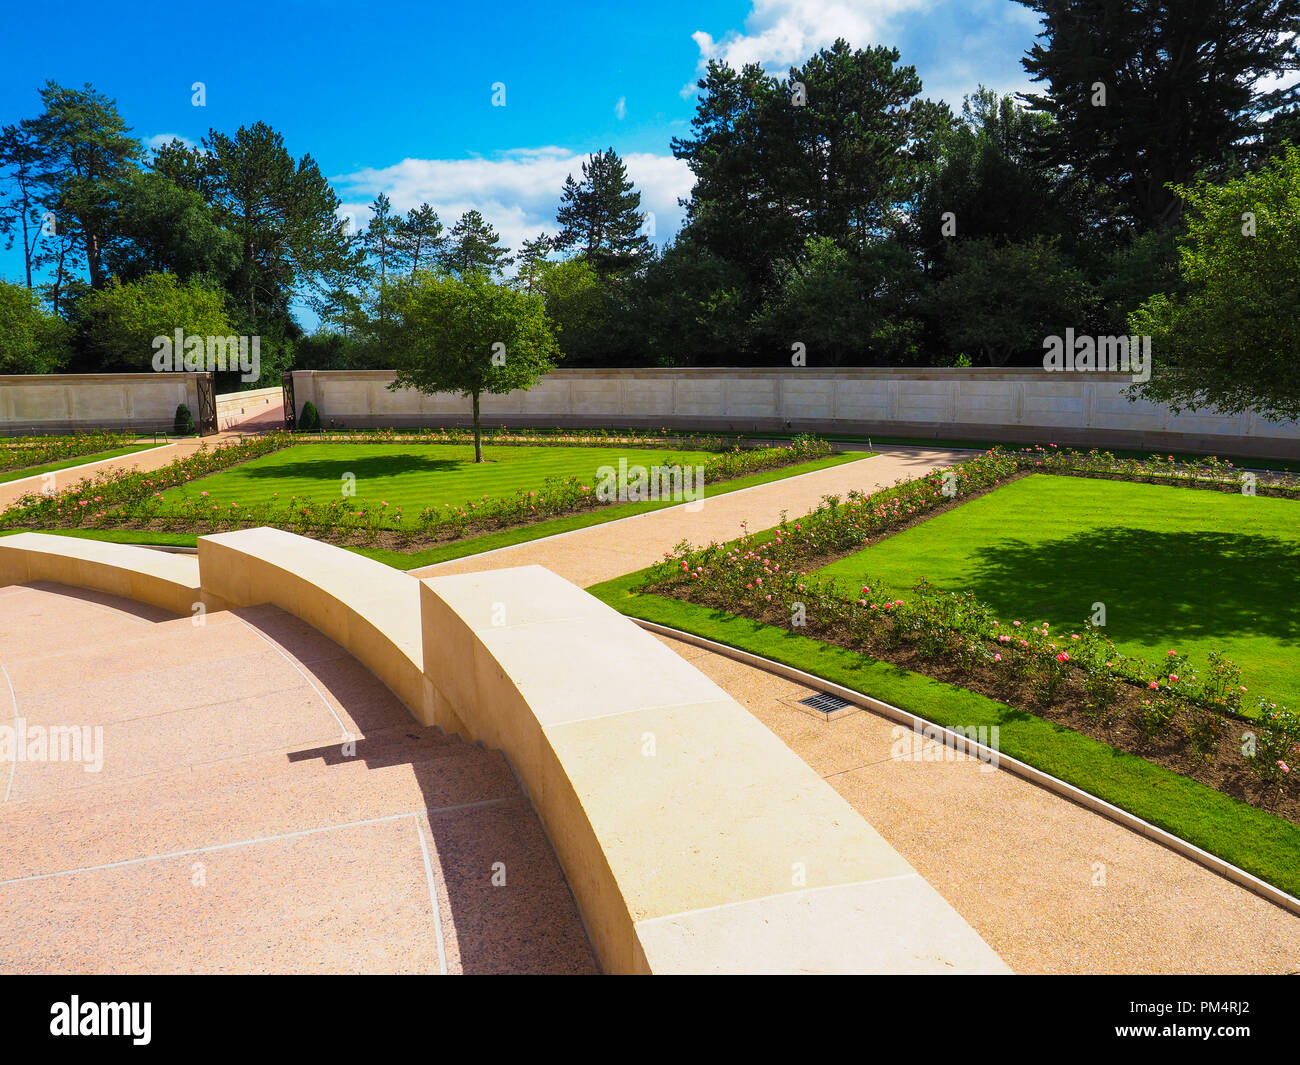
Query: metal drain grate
[[825, 702]]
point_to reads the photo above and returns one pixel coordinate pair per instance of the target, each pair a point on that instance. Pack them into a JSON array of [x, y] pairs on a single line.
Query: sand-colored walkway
[[228, 830], [602, 552]]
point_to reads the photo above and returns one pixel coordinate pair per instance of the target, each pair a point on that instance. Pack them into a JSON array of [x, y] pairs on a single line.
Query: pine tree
[[532, 260], [381, 235], [1146, 92], [475, 246], [601, 217], [420, 239], [88, 153]]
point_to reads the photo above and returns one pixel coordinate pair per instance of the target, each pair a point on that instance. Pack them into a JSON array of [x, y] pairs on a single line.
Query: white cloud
[[956, 45], [1272, 82], [620, 108], [517, 191], [159, 139], [779, 34]]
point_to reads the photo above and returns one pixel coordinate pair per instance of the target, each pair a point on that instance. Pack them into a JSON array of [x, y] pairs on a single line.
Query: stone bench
[[369, 609], [694, 839], [157, 577]]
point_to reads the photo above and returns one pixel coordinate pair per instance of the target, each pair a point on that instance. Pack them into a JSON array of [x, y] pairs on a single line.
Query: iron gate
[[286, 391], [207, 383]]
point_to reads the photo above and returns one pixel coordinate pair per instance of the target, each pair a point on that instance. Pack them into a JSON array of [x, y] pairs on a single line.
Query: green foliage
[[24, 202], [1179, 82], [1002, 301], [1230, 338], [775, 166], [161, 226], [692, 310], [309, 418], [578, 305], [532, 261], [470, 335], [983, 179], [419, 241], [330, 350], [283, 214], [121, 321], [846, 307], [475, 247], [31, 339], [183, 423], [88, 156], [600, 217]]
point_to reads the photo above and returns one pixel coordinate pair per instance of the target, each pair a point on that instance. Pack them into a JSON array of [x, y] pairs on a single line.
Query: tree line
[[835, 208]]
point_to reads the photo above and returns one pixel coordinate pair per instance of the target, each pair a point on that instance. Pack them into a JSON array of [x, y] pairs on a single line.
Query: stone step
[[267, 794]]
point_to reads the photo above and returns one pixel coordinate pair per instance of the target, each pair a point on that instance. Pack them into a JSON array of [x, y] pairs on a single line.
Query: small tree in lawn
[[470, 335]]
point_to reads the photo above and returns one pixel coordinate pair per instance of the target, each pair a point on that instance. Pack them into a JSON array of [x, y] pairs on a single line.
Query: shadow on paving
[[528, 924]]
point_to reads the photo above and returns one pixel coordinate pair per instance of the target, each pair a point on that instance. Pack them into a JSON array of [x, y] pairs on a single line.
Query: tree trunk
[[478, 440]]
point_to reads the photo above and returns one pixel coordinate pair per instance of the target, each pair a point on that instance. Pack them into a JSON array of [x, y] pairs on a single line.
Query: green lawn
[[414, 480], [1176, 568], [413, 476], [63, 464]]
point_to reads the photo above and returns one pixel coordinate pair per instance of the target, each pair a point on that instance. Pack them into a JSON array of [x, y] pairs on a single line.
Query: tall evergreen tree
[[741, 153], [475, 247], [855, 139], [285, 215], [420, 239], [88, 154], [532, 260], [1147, 92], [24, 203], [601, 218], [380, 237]]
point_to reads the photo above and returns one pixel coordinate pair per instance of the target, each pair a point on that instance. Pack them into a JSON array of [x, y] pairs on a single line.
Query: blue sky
[[397, 97]]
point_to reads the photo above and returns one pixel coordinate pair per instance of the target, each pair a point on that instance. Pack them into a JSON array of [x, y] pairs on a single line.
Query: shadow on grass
[[373, 466], [1155, 585]]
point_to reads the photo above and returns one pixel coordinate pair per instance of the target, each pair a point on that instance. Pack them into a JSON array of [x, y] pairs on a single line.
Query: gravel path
[[602, 552]]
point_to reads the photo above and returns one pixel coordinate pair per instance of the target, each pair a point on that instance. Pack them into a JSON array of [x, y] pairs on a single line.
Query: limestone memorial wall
[[1030, 405], [59, 403]]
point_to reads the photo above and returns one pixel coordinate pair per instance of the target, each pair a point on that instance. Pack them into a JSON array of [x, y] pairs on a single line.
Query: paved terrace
[[228, 832]]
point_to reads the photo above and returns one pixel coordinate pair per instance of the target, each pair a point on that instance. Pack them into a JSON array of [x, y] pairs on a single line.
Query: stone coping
[[163, 580], [369, 609]]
